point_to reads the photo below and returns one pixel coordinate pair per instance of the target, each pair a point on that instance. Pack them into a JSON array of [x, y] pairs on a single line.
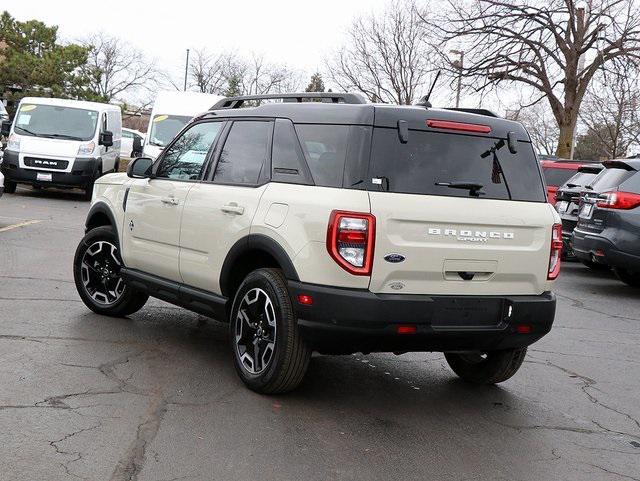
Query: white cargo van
[[62, 143], [171, 112]]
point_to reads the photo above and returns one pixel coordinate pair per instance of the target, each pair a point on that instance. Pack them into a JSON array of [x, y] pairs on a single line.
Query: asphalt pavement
[[155, 397]]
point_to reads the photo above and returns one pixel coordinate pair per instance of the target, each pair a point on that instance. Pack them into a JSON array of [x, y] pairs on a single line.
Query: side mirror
[[6, 128], [137, 145], [140, 168], [106, 138]]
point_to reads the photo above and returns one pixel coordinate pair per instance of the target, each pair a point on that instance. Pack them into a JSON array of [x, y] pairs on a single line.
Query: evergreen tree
[[316, 84]]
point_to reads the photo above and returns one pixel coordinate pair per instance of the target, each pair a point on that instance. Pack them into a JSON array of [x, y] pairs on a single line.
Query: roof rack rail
[[329, 97], [485, 112]]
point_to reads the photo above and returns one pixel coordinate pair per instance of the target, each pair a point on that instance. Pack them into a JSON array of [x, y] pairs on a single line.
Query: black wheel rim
[[100, 272], [255, 331]]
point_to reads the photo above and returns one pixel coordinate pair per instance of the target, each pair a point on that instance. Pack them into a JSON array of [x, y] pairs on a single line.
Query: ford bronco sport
[[335, 226]]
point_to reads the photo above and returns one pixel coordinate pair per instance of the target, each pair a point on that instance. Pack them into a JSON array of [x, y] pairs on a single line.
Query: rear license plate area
[[459, 313], [44, 176]]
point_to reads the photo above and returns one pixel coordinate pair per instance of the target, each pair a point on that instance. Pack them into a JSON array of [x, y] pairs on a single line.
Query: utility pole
[[580, 25], [459, 64], [186, 71]]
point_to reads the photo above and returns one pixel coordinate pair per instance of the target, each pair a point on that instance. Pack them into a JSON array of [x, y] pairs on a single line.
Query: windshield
[[165, 127], [53, 121], [433, 163]]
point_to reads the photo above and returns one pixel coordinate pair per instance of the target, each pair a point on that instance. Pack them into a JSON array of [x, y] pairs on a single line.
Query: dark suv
[[568, 202], [608, 230]]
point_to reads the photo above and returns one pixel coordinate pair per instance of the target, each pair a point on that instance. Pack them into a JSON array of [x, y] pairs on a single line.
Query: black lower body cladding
[[83, 172], [343, 321], [592, 247]]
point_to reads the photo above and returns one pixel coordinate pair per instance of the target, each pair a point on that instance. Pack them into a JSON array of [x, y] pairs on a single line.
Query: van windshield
[[165, 127], [433, 163], [54, 121]]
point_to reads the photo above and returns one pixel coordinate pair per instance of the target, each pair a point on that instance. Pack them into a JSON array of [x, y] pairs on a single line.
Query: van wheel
[[490, 367], [96, 271], [269, 354], [630, 278], [10, 187]]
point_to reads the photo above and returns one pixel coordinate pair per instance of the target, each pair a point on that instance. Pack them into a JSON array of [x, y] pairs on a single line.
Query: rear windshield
[[555, 176], [434, 163], [609, 179], [580, 179]]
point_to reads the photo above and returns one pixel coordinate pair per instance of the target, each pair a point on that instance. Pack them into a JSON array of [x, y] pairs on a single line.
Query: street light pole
[[460, 65], [186, 71]]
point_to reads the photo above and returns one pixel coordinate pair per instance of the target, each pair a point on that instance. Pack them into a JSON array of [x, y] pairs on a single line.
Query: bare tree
[[258, 77], [542, 127], [386, 57], [209, 72], [116, 68], [611, 110], [555, 47]]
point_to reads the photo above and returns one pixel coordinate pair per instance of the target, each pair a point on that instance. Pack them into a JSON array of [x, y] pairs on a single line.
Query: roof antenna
[[424, 101]]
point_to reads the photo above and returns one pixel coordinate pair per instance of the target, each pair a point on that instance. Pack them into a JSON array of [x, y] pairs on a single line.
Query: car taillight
[[556, 251], [459, 126], [350, 241], [618, 200]]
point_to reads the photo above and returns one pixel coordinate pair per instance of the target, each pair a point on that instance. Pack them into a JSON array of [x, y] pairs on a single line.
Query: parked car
[[337, 226], [4, 115], [608, 230], [568, 202], [557, 172], [62, 143], [170, 113], [130, 139]]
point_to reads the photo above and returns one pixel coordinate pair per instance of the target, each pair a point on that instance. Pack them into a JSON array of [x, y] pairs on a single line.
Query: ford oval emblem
[[394, 258]]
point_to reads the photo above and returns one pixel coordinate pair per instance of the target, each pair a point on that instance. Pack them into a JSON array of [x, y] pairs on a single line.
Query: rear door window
[[287, 158], [432, 158], [610, 178], [556, 177], [244, 153]]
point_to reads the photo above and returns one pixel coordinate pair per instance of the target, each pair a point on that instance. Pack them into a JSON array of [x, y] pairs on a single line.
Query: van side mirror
[[6, 128], [140, 168], [137, 145], [106, 138]]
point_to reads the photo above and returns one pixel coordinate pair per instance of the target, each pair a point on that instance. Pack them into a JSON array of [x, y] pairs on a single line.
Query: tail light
[[350, 241], [459, 126], [618, 200], [556, 251]]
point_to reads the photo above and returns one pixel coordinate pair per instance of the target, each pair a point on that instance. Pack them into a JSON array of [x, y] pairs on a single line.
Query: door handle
[[169, 200], [232, 208]]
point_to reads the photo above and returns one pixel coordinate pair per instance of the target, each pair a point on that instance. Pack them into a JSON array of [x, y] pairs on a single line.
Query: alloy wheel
[[255, 331], [100, 270]]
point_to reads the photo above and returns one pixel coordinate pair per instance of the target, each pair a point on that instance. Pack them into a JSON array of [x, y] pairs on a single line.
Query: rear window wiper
[[473, 188], [572, 186]]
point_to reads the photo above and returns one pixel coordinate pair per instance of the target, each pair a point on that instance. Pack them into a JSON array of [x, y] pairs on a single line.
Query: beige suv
[[320, 222]]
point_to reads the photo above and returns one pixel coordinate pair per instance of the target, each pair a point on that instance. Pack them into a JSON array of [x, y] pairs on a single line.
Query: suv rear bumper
[[586, 246], [343, 321], [82, 174]]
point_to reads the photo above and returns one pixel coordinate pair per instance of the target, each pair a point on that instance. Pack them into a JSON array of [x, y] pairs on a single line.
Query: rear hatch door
[[487, 232]]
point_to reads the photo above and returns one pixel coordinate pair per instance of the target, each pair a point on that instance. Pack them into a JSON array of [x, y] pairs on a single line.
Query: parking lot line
[[21, 224]]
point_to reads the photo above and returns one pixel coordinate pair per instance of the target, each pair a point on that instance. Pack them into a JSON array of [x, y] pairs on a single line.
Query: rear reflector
[[556, 251], [523, 328], [305, 299], [459, 126], [408, 329]]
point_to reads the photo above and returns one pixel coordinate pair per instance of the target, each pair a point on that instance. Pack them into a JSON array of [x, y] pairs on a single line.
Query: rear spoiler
[[621, 164], [590, 169]]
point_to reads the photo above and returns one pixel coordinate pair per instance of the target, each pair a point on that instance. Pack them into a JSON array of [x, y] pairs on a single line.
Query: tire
[[10, 187], [283, 361], [98, 253], [491, 367], [630, 278], [595, 266]]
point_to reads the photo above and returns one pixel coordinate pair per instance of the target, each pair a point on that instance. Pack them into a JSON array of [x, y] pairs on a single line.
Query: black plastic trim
[[101, 208], [196, 300], [255, 242]]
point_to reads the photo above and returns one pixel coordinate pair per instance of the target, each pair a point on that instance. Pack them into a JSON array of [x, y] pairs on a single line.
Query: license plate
[[586, 211], [44, 176], [561, 206]]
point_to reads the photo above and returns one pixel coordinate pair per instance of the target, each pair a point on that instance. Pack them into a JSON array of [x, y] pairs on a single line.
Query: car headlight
[[86, 149], [13, 143]]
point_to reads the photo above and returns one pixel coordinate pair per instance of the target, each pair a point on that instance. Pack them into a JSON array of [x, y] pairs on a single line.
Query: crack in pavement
[[77, 454], [17, 337], [37, 299], [580, 305], [588, 383], [625, 476], [25, 278]]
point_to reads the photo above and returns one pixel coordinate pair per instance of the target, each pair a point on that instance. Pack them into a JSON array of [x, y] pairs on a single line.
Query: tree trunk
[[565, 141]]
